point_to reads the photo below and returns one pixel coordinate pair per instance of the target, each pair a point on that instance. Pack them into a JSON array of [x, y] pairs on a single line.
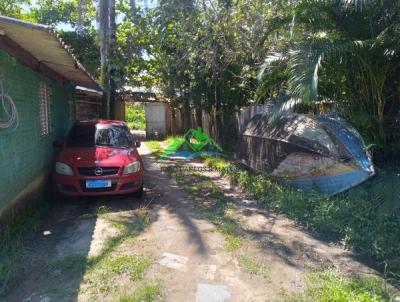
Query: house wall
[[25, 155]]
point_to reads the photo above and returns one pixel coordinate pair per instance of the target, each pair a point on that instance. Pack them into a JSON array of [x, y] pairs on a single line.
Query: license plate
[[98, 183]]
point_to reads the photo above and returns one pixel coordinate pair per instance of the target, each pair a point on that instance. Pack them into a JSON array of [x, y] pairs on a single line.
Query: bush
[[135, 116]]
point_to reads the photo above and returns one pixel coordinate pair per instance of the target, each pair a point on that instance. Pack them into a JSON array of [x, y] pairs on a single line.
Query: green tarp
[[194, 141]]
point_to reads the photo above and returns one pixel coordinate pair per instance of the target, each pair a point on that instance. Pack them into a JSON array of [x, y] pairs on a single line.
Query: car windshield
[[99, 135]]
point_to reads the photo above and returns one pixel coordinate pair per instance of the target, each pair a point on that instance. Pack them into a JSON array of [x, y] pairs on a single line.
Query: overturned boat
[[311, 152]]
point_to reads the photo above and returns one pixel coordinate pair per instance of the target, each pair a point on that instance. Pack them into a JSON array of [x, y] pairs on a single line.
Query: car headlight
[[132, 168], [64, 169]]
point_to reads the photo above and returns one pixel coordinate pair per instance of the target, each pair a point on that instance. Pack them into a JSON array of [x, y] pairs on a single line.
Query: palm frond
[[281, 108], [306, 59], [269, 62], [358, 3]]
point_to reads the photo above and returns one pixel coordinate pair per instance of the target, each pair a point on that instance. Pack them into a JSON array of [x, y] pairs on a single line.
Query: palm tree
[[349, 49]]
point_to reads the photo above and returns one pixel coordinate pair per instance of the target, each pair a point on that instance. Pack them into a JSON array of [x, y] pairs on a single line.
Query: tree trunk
[[107, 30], [186, 115], [103, 40], [81, 17], [173, 122], [132, 6], [218, 111], [111, 68], [199, 116]]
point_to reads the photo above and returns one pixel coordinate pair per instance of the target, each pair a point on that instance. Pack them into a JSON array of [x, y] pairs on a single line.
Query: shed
[[159, 117], [38, 76]]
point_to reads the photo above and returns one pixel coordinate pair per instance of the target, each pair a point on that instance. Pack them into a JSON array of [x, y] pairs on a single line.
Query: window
[[100, 135], [44, 98]]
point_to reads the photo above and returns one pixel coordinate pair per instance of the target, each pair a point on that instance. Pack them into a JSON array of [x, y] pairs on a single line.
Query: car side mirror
[[58, 143], [137, 144]]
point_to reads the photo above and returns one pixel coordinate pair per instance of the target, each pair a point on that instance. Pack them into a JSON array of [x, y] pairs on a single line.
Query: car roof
[[101, 122]]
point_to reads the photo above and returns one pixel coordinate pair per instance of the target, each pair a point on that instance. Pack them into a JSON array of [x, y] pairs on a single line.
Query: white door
[[156, 125]]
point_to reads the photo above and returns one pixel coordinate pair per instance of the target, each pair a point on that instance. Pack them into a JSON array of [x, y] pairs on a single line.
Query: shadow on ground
[[56, 260], [62, 252]]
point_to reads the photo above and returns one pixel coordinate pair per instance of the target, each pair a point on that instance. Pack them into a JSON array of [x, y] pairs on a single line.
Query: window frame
[[45, 109]]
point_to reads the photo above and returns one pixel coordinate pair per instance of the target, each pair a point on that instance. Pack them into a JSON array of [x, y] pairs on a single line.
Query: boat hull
[[309, 152], [332, 184]]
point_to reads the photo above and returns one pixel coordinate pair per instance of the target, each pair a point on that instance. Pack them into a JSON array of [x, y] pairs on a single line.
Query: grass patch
[[233, 243], [14, 239], [155, 147], [252, 267], [101, 272], [226, 225], [145, 293], [103, 210], [143, 218], [140, 222], [200, 185], [331, 286], [128, 230], [362, 219], [170, 139], [220, 213]]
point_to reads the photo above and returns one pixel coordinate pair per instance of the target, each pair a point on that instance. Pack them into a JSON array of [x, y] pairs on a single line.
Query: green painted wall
[[24, 153]]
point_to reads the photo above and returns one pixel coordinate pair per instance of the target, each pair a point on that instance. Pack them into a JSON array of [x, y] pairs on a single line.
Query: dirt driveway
[[170, 246]]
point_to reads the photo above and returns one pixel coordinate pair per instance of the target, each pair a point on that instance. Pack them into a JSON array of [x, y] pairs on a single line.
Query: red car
[[98, 158]]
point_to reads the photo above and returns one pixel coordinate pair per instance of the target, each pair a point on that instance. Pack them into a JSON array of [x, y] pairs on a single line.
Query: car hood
[[98, 156]]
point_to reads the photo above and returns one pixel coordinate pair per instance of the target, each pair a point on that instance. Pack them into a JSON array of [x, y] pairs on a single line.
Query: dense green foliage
[[343, 53], [135, 117], [12, 8], [219, 55], [362, 219], [203, 57], [84, 47], [222, 55]]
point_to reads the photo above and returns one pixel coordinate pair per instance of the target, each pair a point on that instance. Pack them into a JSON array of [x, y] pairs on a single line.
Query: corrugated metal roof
[[88, 91], [44, 44]]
